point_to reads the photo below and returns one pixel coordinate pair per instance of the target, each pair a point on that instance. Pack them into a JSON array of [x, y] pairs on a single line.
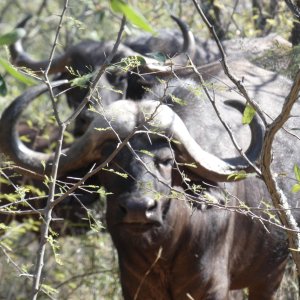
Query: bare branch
[[238, 83], [293, 8], [62, 126], [226, 126], [48, 210], [278, 197]]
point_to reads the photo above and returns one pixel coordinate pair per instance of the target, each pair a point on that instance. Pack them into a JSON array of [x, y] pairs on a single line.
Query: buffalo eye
[[167, 162]]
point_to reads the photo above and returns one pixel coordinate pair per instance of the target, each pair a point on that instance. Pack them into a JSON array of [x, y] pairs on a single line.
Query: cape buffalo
[[85, 57], [177, 231]]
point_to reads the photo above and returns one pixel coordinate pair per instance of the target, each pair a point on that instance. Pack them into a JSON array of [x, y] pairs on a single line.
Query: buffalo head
[[139, 187], [85, 57], [159, 149]]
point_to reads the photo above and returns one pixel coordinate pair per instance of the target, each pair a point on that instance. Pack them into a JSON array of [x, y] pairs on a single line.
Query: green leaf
[[297, 172], [271, 22], [49, 290], [147, 152], [177, 100], [238, 175], [119, 6], [3, 88], [16, 73], [189, 165], [248, 114], [25, 138], [124, 175], [131, 62], [296, 188], [219, 5], [102, 128], [68, 138], [82, 81], [12, 37]]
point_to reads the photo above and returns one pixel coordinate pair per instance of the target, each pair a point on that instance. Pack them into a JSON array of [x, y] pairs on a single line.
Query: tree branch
[[51, 202], [279, 200], [293, 8], [238, 83], [48, 210]]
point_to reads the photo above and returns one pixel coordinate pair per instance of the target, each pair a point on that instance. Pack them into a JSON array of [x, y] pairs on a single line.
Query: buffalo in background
[[84, 58]]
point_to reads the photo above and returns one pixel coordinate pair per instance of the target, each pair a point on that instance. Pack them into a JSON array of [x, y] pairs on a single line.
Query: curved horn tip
[[178, 20], [210, 166], [189, 44], [23, 22]]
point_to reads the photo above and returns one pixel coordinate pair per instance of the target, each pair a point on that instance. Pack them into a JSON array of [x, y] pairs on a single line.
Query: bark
[[279, 200]]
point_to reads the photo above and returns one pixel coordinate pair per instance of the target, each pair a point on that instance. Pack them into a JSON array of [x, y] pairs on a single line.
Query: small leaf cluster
[[296, 186]]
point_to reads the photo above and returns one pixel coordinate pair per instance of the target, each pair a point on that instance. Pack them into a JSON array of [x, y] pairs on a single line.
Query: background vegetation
[[85, 266]]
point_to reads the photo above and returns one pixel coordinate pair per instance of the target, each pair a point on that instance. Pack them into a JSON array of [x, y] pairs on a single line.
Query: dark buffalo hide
[[201, 244]]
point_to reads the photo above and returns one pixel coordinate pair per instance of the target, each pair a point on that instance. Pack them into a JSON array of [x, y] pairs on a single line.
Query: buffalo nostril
[[152, 204], [137, 209], [151, 209]]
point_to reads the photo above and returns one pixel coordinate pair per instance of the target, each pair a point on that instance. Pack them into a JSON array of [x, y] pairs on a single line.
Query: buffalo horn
[[124, 116]]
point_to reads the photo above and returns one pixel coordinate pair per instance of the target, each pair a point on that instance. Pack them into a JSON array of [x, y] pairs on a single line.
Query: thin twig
[[238, 83], [225, 125], [158, 256]]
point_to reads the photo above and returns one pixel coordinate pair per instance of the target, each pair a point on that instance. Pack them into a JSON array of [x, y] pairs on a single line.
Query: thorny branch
[[51, 202], [48, 210], [16, 266], [226, 126], [98, 75], [238, 83], [277, 195]]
